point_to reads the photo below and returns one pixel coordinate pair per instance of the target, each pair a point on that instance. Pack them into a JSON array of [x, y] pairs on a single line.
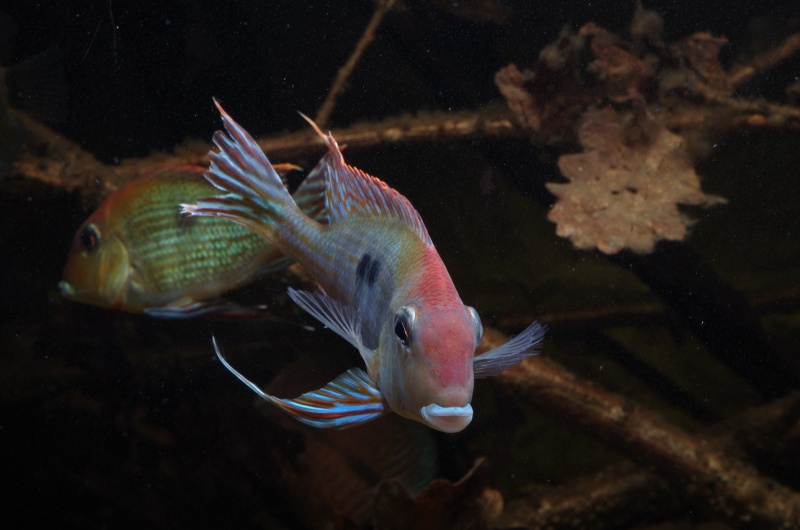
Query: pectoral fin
[[339, 317], [349, 400], [495, 361]]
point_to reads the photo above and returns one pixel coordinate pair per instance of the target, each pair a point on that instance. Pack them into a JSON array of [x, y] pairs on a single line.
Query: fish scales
[[385, 290], [332, 256], [175, 251], [137, 253]]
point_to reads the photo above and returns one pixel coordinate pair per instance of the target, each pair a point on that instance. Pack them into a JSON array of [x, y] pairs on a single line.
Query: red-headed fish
[[386, 290]]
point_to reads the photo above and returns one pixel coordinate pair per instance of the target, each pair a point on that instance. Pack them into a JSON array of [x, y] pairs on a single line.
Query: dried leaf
[[620, 71], [625, 188], [702, 51], [466, 504], [550, 99]]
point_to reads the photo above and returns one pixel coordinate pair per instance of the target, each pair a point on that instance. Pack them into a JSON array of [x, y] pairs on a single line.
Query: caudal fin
[[256, 197]]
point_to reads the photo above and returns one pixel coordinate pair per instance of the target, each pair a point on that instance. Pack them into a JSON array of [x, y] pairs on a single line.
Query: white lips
[[446, 419]]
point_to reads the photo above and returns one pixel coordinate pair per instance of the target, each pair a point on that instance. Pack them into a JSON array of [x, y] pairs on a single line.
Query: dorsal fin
[[351, 192], [312, 195]]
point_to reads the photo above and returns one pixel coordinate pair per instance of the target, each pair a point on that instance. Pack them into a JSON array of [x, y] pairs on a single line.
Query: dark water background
[[113, 420]]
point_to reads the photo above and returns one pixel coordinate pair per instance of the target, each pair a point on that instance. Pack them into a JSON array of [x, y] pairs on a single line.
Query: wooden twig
[[78, 171], [726, 486], [623, 495], [492, 122], [759, 64], [620, 496], [324, 113]]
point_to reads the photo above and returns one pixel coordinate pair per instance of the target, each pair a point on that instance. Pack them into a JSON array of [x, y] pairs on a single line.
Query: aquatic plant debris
[[465, 504], [626, 186], [727, 486]]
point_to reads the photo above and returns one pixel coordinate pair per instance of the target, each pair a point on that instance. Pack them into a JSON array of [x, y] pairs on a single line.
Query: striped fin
[[351, 192], [255, 192], [349, 400], [495, 361], [310, 196]]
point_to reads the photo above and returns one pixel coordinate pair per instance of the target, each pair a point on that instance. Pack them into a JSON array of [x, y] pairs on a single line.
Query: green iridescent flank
[[175, 251]]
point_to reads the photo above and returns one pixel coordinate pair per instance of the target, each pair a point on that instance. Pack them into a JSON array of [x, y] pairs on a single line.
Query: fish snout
[[447, 419]]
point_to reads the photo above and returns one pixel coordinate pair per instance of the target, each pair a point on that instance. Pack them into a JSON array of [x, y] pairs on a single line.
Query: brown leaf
[[549, 99], [620, 71], [466, 504], [625, 188]]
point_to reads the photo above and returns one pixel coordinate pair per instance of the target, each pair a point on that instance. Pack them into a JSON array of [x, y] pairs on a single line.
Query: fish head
[[432, 378], [98, 269]]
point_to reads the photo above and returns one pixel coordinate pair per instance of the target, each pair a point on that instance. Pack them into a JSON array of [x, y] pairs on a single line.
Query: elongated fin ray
[[349, 400], [351, 192], [255, 193], [496, 360]]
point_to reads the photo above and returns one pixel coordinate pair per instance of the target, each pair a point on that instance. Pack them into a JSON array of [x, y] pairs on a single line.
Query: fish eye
[[90, 238], [476, 319], [403, 322]]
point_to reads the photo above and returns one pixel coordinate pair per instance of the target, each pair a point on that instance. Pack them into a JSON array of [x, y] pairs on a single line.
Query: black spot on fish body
[[363, 265], [372, 273], [368, 269]]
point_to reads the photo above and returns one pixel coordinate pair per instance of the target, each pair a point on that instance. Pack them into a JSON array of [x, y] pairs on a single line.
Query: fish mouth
[[83, 296], [447, 419]]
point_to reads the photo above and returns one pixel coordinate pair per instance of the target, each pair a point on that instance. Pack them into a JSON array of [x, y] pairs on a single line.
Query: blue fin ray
[[495, 361], [351, 192], [349, 400], [256, 193], [310, 195]]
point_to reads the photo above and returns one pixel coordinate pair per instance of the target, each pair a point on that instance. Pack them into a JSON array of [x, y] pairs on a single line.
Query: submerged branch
[[766, 61], [490, 122], [726, 486], [623, 495], [325, 111], [66, 166]]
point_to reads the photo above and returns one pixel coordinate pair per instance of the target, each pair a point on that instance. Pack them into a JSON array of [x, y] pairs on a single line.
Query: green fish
[[138, 253]]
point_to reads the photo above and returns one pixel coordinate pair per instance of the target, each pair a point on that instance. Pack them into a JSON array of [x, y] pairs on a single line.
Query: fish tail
[[256, 196]]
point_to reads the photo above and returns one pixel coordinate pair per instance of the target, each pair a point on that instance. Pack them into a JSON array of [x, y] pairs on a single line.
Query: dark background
[[86, 395], [145, 80]]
